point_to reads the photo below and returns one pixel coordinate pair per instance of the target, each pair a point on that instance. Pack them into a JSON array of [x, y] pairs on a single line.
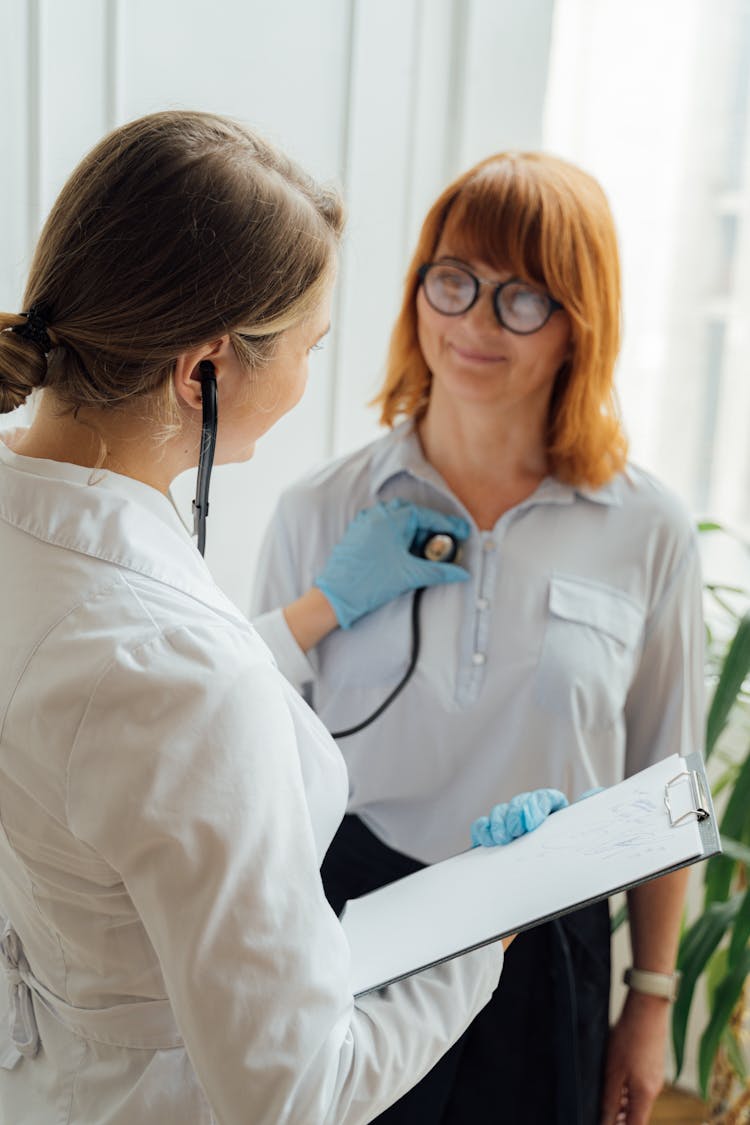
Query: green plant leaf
[[725, 999], [719, 871], [716, 970], [734, 671], [720, 785], [735, 1055], [619, 918], [696, 947], [709, 525], [717, 594], [740, 933], [735, 824], [733, 849]]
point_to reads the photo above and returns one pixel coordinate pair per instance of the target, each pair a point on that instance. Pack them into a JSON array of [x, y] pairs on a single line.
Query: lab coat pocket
[[588, 652]]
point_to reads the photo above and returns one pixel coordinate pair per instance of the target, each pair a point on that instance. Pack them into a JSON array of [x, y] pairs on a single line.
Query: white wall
[[390, 98], [387, 98]]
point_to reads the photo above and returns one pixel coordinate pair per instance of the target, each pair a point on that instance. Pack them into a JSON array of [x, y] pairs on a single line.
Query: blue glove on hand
[[522, 814], [372, 564]]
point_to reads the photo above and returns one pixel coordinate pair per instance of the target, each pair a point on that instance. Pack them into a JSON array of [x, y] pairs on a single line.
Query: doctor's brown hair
[[548, 222], [176, 229]]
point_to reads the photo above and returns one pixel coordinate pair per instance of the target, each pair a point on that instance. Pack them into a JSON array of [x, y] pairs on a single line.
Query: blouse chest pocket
[[589, 651]]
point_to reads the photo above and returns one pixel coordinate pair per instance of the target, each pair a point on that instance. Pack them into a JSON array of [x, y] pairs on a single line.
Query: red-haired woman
[[572, 655]]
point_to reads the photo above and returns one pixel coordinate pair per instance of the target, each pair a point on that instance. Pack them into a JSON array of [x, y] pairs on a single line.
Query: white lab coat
[[165, 800]]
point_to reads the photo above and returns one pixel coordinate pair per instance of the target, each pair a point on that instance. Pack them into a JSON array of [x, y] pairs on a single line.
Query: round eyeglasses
[[453, 290]]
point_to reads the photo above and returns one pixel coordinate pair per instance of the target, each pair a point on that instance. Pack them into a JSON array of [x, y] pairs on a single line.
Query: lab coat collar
[[106, 516], [402, 453]]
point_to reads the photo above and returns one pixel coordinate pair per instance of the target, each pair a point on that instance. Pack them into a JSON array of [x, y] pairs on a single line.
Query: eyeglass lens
[[452, 290]]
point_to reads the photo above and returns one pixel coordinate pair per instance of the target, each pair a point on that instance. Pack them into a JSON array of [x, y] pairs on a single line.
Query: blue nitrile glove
[[522, 814], [372, 564]]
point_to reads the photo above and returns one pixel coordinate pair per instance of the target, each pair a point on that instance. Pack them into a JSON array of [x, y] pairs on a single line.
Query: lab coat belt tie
[[21, 1019], [143, 1024]]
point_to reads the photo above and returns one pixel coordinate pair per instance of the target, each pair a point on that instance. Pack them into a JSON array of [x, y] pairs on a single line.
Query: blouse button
[[483, 603], [478, 658]]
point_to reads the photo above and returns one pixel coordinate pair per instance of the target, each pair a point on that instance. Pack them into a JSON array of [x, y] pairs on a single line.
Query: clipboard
[[654, 822]]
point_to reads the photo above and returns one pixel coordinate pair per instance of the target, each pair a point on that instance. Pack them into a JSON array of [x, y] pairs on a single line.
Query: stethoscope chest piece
[[440, 547]]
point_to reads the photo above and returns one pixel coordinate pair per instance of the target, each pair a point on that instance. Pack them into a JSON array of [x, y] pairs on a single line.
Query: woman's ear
[[187, 373]]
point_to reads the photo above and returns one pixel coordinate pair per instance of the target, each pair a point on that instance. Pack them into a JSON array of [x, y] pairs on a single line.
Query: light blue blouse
[[571, 658]]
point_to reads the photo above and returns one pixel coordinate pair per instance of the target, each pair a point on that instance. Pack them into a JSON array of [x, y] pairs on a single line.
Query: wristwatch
[[666, 985]]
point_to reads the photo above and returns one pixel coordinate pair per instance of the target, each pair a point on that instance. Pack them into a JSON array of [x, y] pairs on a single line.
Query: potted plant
[[716, 945]]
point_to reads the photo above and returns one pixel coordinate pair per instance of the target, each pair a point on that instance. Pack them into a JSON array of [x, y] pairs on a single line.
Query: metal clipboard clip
[[701, 803]]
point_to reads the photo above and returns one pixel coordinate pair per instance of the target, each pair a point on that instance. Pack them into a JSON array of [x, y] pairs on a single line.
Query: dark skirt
[[536, 1052]]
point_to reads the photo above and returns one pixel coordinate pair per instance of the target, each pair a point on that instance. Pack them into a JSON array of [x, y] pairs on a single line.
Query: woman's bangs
[[494, 220]]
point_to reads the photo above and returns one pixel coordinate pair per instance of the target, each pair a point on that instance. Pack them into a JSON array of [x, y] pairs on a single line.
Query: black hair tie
[[35, 328]]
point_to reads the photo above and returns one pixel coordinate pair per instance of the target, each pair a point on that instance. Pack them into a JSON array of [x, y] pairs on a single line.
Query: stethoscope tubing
[[414, 657], [209, 425]]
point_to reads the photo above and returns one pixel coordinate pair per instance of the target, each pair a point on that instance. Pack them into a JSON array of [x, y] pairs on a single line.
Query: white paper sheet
[[617, 838]]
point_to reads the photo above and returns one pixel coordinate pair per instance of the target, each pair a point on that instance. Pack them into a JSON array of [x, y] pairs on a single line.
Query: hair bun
[[35, 326], [23, 360]]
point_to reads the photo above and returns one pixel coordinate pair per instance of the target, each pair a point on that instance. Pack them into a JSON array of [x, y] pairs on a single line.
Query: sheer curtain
[[653, 99]]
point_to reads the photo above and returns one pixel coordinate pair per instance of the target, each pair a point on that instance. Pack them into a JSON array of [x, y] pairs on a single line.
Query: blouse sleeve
[[664, 710], [278, 582], [194, 797]]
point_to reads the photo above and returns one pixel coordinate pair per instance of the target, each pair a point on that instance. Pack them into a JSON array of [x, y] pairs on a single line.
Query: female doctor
[[165, 796]]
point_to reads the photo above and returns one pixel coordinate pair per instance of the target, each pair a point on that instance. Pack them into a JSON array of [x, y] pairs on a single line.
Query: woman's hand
[[637, 1044], [372, 563], [635, 1060], [522, 814]]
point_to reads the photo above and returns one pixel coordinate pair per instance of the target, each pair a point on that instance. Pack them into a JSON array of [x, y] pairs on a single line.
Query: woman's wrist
[[645, 982], [310, 618]]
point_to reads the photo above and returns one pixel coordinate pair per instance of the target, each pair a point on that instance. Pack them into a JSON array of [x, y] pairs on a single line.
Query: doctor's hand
[[522, 814], [372, 563]]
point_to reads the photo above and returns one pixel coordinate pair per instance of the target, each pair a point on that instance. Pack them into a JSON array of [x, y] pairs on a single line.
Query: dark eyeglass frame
[[553, 305]]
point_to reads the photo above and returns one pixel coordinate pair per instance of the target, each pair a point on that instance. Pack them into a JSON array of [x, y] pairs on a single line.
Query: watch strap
[[665, 985]]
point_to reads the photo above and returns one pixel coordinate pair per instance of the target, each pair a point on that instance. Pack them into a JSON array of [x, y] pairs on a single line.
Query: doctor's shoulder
[[195, 648]]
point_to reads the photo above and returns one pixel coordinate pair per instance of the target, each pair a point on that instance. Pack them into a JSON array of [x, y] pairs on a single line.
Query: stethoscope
[[435, 546], [209, 424]]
